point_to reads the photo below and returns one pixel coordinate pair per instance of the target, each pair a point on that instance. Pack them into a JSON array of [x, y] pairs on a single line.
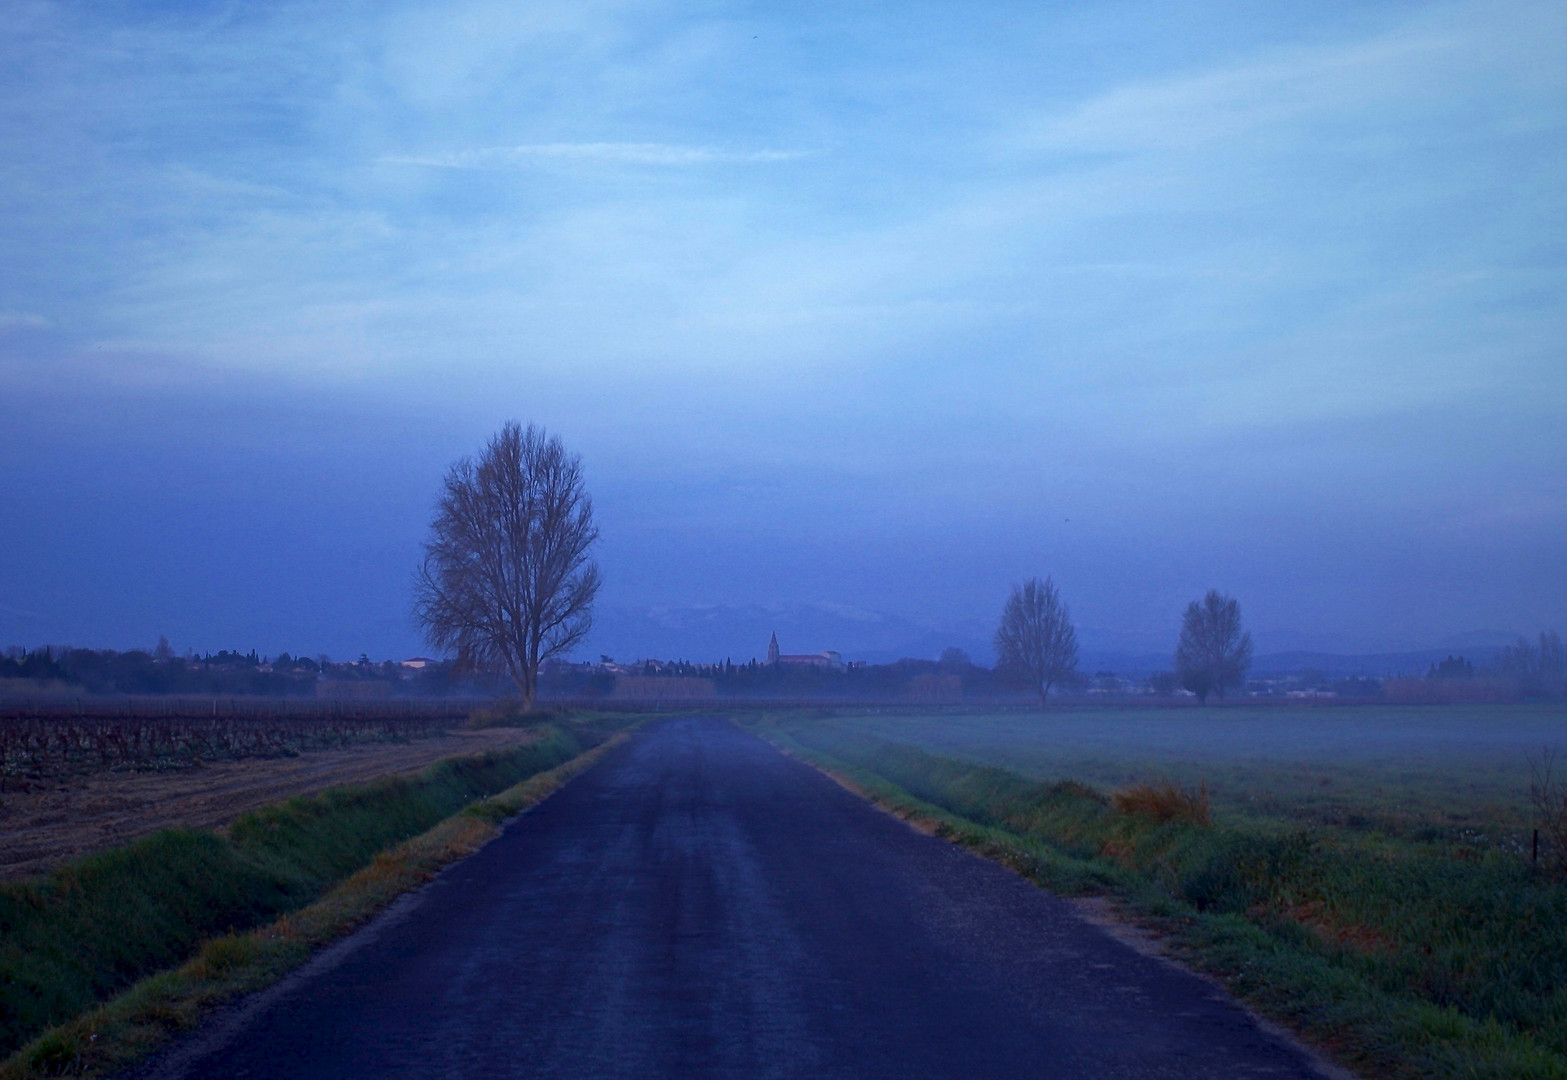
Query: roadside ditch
[[108, 957]]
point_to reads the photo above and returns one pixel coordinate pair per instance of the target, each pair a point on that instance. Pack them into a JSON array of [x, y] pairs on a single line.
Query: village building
[[824, 659]]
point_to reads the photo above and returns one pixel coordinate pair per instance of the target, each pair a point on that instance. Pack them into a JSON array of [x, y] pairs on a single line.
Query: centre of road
[[700, 905]]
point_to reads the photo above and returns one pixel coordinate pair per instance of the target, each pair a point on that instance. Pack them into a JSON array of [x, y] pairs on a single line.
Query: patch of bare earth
[[63, 819]]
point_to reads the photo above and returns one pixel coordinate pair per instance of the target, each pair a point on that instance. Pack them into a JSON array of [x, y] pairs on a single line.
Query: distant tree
[[507, 580], [1553, 656], [1164, 683], [164, 652], [40, 665], [955, 659], [1545, 673], [1454, 667], [1526, 658], [1213, 652], [1036, 635]]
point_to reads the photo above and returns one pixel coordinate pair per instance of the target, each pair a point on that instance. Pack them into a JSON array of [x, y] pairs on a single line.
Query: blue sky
[[874, 306]]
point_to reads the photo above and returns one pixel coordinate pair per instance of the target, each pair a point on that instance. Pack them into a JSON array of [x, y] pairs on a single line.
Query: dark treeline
[[1539, 666], [220, 674], [239, 674], [1527, 670], [954, 675]]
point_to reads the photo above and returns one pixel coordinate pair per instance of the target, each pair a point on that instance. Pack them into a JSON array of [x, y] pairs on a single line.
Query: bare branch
[[1213, 652], [507, 580], [1036, 635]]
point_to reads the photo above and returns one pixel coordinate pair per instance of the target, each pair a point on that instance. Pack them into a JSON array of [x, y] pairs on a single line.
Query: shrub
[[510, 713], [1165, 802]]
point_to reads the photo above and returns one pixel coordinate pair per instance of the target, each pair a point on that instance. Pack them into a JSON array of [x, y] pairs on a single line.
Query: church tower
[[772, 649]]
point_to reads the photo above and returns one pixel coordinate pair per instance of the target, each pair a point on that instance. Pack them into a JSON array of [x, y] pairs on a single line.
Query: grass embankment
[[1398, 961], [184, 919]]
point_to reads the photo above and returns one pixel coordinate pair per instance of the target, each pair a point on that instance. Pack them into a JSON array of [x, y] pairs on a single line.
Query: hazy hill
[[714, 632]]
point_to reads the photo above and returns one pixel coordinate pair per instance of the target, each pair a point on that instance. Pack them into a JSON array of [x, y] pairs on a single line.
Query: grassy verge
[[179, 922], [1397, 963]]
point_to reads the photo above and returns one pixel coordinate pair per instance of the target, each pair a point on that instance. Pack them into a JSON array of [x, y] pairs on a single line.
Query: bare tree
[[1213, 652], [1036, 635], [507, 581], [1549, 796], [1541, 670]]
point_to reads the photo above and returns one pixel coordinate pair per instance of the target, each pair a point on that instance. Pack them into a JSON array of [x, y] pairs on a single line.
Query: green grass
[[1459, 769], [94, 927], [1408, 949], [117, 1034]]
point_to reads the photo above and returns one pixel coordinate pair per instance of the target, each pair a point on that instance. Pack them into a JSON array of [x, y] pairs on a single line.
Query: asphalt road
[[699, 905]]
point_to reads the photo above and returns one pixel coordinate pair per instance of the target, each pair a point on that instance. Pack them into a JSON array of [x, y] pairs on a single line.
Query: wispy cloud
[[620, 153], [1434, 66], [1197, 110], [22, 320], [20, 613]]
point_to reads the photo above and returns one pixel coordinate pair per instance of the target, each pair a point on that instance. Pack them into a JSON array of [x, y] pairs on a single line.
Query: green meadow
[[1362, 873], [1461, 771]]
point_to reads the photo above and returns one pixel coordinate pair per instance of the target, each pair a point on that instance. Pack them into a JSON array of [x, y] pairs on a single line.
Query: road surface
[[698, 905]]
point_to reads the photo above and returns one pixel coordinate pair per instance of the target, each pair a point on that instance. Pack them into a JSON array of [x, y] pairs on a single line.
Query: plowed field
[[63, 819]]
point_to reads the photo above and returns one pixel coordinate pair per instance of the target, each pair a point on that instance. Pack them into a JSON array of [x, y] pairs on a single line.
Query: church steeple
[[772, 649]]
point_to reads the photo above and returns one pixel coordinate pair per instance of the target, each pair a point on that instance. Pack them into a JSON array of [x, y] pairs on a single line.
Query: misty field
[[1448, 769], [1364, 873]]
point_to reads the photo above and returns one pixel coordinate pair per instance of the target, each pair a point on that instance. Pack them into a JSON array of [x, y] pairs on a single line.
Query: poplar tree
[[507, 580]]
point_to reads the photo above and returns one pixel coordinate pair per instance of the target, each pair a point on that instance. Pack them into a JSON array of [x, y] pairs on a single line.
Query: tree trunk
[[525, 690]]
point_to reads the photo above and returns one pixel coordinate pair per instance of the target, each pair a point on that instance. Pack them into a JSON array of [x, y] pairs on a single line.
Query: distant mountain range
[[1412, 663], [715, 632], [709, 633]]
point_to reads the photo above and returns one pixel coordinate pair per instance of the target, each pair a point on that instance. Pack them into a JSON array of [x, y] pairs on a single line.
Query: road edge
[[123, 1033], [1104, 912]]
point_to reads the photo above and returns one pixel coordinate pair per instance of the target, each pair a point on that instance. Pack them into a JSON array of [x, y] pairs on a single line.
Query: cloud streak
[[22, 320], [617, 153]]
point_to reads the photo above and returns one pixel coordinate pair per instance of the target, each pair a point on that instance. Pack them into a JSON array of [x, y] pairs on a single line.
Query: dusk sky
[[867, 310]]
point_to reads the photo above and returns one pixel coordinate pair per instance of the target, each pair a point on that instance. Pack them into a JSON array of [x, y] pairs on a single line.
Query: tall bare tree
[[507, 581], [1213, 652], [1036, 635]]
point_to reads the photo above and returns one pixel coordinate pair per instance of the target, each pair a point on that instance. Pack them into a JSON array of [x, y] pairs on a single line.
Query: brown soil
[[63, 819]]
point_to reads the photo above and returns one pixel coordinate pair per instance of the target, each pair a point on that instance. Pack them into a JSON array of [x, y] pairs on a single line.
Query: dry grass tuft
[[1356, 937], [1165, 802]]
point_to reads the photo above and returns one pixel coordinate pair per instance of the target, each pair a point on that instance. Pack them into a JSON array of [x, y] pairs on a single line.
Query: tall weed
[[1165, 802]]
